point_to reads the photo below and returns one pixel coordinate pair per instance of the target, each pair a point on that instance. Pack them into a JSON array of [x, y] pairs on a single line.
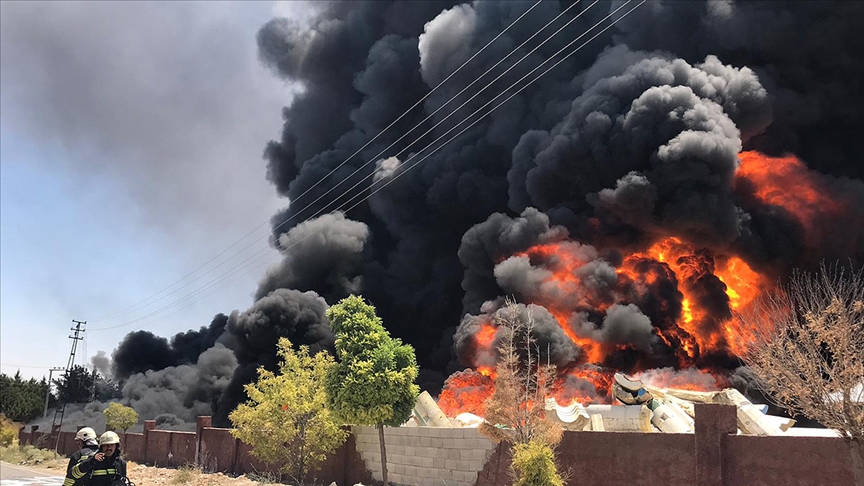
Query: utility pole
[[78, 330], [48, 391]]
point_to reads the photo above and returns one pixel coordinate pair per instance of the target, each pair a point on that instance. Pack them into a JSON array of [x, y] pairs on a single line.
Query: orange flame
[[466, 391], [694, 326]]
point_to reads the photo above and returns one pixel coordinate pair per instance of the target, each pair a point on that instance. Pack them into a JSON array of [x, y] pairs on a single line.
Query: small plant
[[534, 465], [264, 477], [185, 474], [8, 431]]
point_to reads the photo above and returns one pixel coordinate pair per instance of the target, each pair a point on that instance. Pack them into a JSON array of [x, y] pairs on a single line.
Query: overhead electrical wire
[[137, 305], [399, 174]]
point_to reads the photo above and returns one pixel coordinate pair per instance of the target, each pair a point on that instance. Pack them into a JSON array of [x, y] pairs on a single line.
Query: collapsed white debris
[[644, 408]]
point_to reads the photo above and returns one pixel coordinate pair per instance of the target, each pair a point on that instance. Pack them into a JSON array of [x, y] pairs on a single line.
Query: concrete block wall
[[425, 456]]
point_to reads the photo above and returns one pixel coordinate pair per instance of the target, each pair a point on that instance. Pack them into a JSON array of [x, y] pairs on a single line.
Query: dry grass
[[31, 456], [146, 475]]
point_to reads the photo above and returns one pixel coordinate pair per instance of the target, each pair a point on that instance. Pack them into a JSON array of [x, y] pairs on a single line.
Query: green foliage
[[21, 400], [286, 420], [534, 465], [120, 417], [8, 431], [75, 386], [373, 382], [81, 385]]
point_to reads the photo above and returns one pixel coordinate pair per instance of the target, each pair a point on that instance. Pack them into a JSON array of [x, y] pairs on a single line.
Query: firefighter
[[106, 467], [88, 445]]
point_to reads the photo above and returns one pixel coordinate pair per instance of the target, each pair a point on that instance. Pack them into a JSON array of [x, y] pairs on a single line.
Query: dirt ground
[[143, 475]]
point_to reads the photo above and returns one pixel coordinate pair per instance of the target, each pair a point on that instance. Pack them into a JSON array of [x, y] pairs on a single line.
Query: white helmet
[[109, 438], [86, 434]]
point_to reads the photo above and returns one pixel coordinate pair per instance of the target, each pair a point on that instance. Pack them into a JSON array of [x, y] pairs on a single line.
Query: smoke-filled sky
[[132, 136], [631, 199]]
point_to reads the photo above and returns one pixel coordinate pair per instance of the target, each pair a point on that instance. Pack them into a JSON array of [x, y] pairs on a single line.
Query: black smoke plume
[[635, 136]]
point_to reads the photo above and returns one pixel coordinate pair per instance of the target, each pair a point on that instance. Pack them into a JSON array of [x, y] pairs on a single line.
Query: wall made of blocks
[[426, 456]]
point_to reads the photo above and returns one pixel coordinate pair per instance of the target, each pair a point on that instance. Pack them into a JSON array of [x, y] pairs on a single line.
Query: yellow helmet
[[109, 438], [86, 434]]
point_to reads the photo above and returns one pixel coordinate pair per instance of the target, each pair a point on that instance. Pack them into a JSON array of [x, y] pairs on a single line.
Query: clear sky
[[131, 137]]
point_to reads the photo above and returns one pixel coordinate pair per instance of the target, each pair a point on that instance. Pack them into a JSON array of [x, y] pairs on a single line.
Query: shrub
[[534, 465], [286, 420], [8, 431]]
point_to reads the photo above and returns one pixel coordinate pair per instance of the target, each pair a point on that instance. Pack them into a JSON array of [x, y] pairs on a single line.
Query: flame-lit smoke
[[668, 305], [663, 311]]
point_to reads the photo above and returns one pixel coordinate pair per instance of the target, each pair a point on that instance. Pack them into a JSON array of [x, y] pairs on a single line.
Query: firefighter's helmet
[[109, 438]]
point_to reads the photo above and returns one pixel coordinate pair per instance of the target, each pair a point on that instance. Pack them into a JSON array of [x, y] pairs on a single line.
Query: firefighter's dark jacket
[[74, 459], [91, 472]]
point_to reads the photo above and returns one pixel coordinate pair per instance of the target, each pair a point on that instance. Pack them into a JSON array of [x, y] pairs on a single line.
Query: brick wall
[[425, 456]]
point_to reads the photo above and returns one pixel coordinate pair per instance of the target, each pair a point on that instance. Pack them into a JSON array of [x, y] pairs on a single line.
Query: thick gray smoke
[[549, 339], [635, 137], [184, 391], [325, 254]]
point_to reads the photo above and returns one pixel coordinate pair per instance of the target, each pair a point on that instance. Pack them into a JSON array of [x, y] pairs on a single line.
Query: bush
[[8, 431], [286, 420], [534, 465]]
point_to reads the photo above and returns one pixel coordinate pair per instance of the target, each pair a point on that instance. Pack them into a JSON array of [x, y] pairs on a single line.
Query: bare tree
[[522, 384], [805, 342]]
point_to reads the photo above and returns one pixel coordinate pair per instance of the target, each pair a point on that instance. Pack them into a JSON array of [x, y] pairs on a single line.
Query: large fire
[[690, 293]]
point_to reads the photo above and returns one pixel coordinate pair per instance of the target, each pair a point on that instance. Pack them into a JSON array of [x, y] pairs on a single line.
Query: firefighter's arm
[[84, 466]]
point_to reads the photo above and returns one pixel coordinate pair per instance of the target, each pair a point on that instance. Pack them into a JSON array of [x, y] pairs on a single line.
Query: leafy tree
[[286, 420], [120, 417], [76, 385], [106, 389], [805, 343], [21, 400], [373, 381]]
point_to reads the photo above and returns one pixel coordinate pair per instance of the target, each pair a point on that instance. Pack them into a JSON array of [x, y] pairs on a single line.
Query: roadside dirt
[[143, 475]]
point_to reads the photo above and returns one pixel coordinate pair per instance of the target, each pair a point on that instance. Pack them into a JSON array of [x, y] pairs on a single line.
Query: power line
[[130, 308], [231, 271], [213, 283]]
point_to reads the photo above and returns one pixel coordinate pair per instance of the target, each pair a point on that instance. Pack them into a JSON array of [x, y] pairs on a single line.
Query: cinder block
[[454, 454], [411, 471], [438, 463], [466, 476], [427, 461]]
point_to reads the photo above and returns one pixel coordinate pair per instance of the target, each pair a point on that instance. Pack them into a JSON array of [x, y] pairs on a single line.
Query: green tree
[[21, 400], [120, 417], [286, 420], [373, 381], [76, 385]]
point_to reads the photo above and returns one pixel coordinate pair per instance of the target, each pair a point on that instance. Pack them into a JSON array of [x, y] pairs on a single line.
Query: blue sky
[[129, 155]]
